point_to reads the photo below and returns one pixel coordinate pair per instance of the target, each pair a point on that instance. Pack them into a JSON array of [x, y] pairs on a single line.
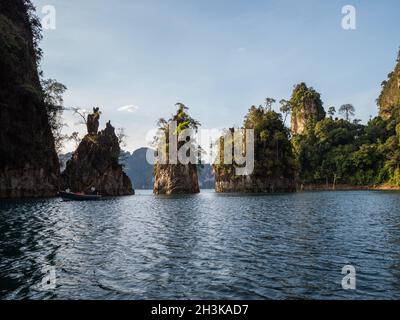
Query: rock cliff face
[[171, 178], [274, 169], [306, 106], [252, 184], [28, 161], [390, 96], [95, 164], [176, 179]]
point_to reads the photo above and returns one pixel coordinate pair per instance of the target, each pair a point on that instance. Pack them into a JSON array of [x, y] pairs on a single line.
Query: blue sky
[[218, 57]]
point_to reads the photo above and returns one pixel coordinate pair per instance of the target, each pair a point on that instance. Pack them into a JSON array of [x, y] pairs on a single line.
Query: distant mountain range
[[141, 172], [138, 169]]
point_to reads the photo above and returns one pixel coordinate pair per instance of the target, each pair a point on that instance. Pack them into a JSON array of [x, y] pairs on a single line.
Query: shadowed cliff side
[[28, 161], [95, 163]]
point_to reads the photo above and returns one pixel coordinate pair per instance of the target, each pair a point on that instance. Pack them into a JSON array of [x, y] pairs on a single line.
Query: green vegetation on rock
[[274, 166], [170, 177], [306, 105], [390, 95], [337, 151]]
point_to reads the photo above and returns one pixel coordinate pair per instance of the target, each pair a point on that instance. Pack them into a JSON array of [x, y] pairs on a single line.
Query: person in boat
[[81, 193]]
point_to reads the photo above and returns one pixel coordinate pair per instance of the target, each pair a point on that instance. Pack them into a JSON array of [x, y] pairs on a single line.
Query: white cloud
[[129, 108]]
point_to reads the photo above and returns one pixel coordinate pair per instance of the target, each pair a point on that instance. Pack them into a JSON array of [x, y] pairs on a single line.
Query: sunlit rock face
[[176, 179], [389, 98], [273, 167], [94, 165], [28, 161], [252, 184], [306, 106]]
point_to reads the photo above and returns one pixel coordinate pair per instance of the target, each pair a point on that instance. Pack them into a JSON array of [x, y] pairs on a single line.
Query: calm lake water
[[206, 246]]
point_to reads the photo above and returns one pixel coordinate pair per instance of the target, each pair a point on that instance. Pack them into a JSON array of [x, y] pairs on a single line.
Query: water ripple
[[208, 246]]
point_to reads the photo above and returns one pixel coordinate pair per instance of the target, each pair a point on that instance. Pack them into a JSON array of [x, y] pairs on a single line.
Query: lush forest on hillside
[[332, 150], [329, 147]]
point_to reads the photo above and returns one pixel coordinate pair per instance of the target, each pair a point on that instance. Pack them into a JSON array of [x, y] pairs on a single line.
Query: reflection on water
[[206, 246]]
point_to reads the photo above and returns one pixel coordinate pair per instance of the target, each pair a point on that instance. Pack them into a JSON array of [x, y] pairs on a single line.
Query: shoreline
[[346, 187], [299, 189]]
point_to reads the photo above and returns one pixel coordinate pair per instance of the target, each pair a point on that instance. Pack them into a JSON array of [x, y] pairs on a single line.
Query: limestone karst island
[[199, 151]]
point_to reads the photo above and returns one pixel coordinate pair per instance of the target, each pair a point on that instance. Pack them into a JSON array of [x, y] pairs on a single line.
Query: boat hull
[[78, 197]]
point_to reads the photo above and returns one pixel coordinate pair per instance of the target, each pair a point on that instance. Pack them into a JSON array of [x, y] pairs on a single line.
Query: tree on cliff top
[[269, 102], [347, 110], [285, 108], [183, 121], [304, 96], [331, 111], [36, 27], [53, 98]]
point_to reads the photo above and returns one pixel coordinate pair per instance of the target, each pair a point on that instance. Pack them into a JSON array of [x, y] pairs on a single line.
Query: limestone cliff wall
[[95, 165], [252, 184], [308, 111], [306, 105], [274, 167], [176, 179], [390, 95], [28, 161]]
